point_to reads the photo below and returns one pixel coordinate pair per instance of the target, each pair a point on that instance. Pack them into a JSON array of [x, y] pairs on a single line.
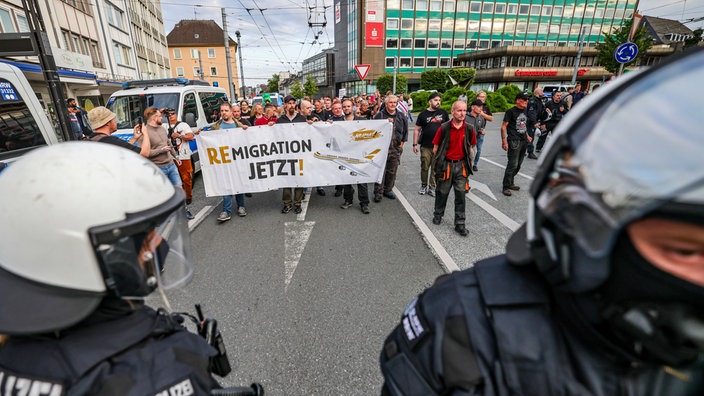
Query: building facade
[[321, 68], [197, 51]]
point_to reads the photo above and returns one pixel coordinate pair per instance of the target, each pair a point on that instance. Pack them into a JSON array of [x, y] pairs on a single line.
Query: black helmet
[[631, 150]]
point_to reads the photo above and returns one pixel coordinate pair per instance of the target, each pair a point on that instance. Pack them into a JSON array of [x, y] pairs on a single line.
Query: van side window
[[190, 106], [19, 131], [211, 101]]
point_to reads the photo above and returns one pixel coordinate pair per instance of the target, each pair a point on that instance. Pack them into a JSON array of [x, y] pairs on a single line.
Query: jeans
[[171, 171], [480, 143], [516, 152], [227, 202], [427, 171], [458, 182]]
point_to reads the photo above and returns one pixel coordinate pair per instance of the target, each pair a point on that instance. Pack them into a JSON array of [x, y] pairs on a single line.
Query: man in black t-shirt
[[514, 140], [104, 123], [427, 124]]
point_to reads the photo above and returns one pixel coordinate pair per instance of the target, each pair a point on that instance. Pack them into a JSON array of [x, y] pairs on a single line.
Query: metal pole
[[395, 67], [239, 51], [579, 55], [200, 65], [227, 55]]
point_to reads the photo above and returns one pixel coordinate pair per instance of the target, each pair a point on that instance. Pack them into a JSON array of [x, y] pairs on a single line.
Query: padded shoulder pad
[[503, 284]]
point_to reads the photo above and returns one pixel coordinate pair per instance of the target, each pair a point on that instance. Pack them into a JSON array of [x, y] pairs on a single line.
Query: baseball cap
[[289, 97], [522, 95], [434, 95], [477, 102], [100, 116]]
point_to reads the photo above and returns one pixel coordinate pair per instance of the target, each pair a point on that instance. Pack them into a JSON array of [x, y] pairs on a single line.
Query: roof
[[194, 32], [664, 31]]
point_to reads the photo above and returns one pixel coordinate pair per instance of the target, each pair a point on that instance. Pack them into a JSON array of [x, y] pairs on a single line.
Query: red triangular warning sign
[[362, 70]]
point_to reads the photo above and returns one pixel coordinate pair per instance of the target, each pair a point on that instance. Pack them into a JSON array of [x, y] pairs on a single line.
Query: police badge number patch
[[415, 326]]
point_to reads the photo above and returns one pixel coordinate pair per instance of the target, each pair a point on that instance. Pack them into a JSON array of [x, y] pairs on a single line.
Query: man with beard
[[427, 124], [104, 123], [514, 140], [348, 190], [291, 116], [320, 113], [162, 153], [399, 137]]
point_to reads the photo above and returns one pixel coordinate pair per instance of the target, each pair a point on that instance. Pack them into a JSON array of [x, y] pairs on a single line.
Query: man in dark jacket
[[452, 147], [400, 137], [536, 116]]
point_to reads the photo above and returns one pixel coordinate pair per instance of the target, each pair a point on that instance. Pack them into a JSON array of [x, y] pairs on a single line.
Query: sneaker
[[297, 209], [224, 216], [532, 156], [286, 209], [461, 230], [514, 187], [390, 195], [189, 215], [320, 191], [474, 169], [241, 212], [431, 192], [507, 192], [423, 189], [365, 209], [346, 205], [338, 192], [188, 201], [377, 197], [437, 219]]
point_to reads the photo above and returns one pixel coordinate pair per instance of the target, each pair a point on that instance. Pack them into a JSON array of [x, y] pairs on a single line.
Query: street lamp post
[[395, 68], [239, 50]]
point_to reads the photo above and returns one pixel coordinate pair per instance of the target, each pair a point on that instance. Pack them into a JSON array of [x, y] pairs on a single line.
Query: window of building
[[211, 53], [393, 4], [177, 53], [609, 13], [445, 62], [459, 43], [462, 6], [6, 25], [450, 6], [406, 23], [122, 54], [488, 8], [195, 54], [421, 25], [475, 7], [421, 5], [446, 44], [213, 71], [407, 43], [419, 44], [179, 72], [431, 62], [496, 44], [407, 4], [564, 28], [547, 10], [404, 62], [418, 62], [86, 46], [434, 24], [557, 11], [433, 43], [448, 24], [486, 25], [483, 44], [532, 28], [196, 71], [472, 44], [392, 43], [499, 8], [523, 9], [96, 54], [76, 41], [67, 43], [460, 26], [435, 5], [535, 10], [115, 15], [390, 61], [472, 26], [511, 9], [22, 23], [392, 23]]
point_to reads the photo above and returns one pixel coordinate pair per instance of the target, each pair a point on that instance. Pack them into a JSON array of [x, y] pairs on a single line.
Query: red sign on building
[[374, 34], [537, 73]]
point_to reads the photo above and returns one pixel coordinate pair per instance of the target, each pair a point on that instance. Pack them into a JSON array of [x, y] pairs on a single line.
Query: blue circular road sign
[[626, 52]]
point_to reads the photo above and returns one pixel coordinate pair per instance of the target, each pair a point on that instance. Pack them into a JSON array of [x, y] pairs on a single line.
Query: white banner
[[264, 158]]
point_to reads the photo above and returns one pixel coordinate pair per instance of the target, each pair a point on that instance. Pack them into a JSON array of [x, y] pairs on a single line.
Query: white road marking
[[296, 235], [447, 263], [479, 186], [200, 216], [504, 167], [495, 213], [304, 205]]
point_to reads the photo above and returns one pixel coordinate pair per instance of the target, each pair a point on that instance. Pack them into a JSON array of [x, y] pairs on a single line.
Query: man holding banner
[[290, 116], [348, 189], [398, 138], [228, 122]]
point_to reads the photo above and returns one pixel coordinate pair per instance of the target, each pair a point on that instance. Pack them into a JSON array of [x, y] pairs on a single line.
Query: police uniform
[[142, 353], [495, 330]]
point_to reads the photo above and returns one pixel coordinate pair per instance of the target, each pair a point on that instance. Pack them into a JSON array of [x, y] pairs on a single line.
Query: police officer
[[73, 277], [601, 292]]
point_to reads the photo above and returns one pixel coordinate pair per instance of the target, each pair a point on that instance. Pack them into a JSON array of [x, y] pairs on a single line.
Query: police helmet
[[81, 221], [631, 150]]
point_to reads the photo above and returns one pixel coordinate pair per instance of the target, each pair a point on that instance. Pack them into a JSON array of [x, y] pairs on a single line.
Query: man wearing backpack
[[452, 147], [181, 134]]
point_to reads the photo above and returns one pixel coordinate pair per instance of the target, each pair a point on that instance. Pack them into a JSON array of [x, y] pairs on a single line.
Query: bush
[[420, 100], [433, 79], [497, 102], [509, 93]]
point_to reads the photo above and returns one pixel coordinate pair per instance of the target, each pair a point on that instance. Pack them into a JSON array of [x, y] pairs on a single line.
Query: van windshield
[[129, 108], [18, 129]]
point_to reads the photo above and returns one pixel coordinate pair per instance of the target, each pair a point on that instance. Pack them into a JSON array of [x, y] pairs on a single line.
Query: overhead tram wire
[[261, 11], [249, 11]]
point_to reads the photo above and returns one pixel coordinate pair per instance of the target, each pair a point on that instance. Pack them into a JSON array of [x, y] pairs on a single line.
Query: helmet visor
[[173, 262]]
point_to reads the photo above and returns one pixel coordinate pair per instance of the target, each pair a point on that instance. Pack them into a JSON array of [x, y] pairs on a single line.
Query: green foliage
[[310, 87], [297, 90], [497, 102], [463, 75], [694, 40], [420, 100], [434, 79], [450, 96], [509, 93], [272, 85], [385, 83], [605, 54]]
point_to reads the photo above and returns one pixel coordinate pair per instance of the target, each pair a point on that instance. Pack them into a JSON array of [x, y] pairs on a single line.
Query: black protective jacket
[[142, 353]]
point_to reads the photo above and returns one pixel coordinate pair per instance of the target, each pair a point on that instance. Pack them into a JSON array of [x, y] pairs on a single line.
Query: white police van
[[193, 100], [549, 89], [24, 125], [274, 98]]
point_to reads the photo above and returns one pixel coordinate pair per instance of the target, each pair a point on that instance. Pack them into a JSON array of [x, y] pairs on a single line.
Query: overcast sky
[[276, 37]]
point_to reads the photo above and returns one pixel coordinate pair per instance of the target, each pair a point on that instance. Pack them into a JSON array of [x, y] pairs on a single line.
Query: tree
[[272, 85], [694, 40], [464, 76], [385, 83], [606, 49], [297, 90], [310, 87], [434, 79]]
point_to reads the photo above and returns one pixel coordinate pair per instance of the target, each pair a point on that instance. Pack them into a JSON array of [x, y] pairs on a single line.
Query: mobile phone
[[139, 121]]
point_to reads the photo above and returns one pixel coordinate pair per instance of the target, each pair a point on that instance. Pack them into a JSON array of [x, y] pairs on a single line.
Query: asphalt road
[[305, 301]]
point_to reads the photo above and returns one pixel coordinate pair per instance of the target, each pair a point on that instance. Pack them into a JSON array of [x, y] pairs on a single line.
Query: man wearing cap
[[427, 123], [475, 118], [104, 123], [514, 140], [291, 116], [181, 134]]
